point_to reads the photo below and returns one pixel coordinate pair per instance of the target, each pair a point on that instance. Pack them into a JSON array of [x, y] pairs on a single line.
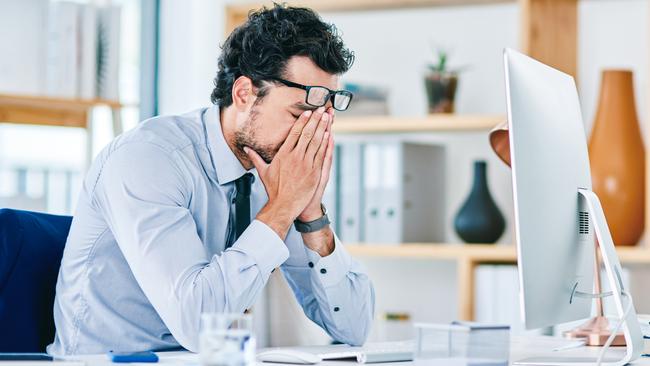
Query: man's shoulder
[[169, 133], [152, 143]]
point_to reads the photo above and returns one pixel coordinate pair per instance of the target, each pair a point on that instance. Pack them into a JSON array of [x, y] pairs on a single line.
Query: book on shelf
[[87, 88], [348, 201], [373, 227], [62, 66], [497, 296], [61, 49], [390, 192], [108, 52], [22, 66], [369, 100]]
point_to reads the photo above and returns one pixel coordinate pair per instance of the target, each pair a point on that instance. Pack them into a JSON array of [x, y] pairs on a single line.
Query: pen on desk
[[569, 346]]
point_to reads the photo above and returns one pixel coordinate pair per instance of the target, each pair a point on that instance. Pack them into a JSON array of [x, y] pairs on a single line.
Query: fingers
[[321, 155], [329, 155], [295, 132], [316, 142], [257, 160], [309, 130], [327, 161]]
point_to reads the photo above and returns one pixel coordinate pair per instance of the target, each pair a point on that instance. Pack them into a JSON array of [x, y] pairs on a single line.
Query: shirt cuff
[[262, 244], [330, 270]]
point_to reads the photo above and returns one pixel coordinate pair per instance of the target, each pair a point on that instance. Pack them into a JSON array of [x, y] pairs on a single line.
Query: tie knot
[[243, 184]]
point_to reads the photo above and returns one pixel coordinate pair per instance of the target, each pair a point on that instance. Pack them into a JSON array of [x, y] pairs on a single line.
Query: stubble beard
[[246, 136]]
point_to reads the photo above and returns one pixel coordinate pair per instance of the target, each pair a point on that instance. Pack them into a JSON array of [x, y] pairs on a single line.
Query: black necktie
[[242, 205]]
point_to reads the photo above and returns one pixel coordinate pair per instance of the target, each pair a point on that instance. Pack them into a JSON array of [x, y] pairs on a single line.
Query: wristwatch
[[311, 226]]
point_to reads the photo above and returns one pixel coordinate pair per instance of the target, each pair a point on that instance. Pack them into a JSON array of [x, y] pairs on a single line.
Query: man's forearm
[[277, 217]]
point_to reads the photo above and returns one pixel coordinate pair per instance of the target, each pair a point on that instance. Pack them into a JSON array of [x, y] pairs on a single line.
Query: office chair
[[31, 247]]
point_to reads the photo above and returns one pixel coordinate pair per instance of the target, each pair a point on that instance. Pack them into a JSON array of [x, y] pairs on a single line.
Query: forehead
[[302, 70]]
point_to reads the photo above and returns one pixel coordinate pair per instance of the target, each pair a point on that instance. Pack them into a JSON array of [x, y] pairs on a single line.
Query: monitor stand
[[596, 330], [631, 329]]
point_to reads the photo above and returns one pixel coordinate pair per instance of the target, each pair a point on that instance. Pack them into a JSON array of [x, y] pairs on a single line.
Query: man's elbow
[[359, 338], [358, 334], [187, 338]]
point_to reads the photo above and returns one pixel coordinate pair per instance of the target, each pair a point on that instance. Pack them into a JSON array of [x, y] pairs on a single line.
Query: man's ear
[[242, 93]]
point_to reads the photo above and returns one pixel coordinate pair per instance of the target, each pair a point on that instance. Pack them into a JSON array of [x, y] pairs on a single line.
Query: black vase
[[479, 219]]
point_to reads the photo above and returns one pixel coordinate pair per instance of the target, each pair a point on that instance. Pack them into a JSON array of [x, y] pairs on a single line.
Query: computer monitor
[[556, 212]]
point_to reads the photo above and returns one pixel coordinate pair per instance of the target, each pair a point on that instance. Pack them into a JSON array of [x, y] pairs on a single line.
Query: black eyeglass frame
[[331, 94]]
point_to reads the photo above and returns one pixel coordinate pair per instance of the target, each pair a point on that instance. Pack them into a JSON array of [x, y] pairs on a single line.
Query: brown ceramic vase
[[618, 158]]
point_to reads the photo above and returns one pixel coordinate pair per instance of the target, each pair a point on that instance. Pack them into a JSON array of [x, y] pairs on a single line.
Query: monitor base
[[563, 361], [596, 331]]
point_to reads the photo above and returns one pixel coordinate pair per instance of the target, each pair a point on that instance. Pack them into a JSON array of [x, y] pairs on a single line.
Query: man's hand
[[321, 241], [313, 210], [293, 176]]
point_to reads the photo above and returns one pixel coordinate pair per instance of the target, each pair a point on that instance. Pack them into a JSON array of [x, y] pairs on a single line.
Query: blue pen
[[127, 357]]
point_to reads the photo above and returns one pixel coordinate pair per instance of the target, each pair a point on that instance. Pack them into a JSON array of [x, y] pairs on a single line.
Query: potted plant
[[441, 84]]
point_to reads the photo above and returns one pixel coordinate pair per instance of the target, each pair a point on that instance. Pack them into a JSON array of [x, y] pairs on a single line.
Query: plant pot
[[441, 91], [617, 158], [479, 219]]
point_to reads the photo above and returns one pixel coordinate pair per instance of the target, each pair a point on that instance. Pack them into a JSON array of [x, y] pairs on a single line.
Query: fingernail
[[325, 117], [307, 113], [246, 149], [321, 109]]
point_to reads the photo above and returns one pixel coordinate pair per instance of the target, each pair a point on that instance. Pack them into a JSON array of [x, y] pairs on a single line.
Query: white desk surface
[[519, 351]]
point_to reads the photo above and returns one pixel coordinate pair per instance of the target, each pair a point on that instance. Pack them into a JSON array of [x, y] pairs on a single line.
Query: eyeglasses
[[318, 96]]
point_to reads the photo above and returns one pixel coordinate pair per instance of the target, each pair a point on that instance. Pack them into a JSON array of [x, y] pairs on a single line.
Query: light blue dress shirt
[[145, 254]]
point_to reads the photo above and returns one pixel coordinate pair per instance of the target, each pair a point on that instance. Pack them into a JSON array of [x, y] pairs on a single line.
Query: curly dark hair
[[261, 47]]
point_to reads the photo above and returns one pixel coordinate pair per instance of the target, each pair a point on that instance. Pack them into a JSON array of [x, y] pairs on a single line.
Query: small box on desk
[[462, 344]]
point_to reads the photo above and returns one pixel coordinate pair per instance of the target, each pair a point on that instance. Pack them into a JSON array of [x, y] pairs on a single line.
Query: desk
[[519, 351]]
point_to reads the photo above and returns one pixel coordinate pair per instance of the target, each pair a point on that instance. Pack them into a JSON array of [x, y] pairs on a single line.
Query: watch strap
[[311, 226]]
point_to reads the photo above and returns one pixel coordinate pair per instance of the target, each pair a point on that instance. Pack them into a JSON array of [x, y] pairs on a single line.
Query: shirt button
[[311, 265], [323, 270], [336, 308]]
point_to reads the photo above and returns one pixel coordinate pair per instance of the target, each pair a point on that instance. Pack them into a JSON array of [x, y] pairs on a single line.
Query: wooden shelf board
[[359, 5], [436, 251], [53, 102], [237, 14], [40, 110], [475, 252], [431, 123]]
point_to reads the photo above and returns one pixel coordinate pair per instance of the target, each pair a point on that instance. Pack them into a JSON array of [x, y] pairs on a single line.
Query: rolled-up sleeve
[[334, 291], [143, 194]]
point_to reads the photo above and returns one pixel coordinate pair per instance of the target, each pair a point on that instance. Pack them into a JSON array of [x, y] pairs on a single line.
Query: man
[[163, 229]]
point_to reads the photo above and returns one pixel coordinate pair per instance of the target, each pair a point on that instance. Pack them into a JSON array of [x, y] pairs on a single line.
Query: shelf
[[37, 110], [482, 252], [431, 123], [236, 14], [478, 253], [60, 112], [359, 5], [54, 102], [50, 111]]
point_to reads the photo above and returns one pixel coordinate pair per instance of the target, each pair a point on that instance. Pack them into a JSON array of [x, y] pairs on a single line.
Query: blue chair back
[[31, 247]]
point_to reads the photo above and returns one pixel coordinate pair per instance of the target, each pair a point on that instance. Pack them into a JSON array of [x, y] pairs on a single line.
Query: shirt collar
[[225, 162]]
